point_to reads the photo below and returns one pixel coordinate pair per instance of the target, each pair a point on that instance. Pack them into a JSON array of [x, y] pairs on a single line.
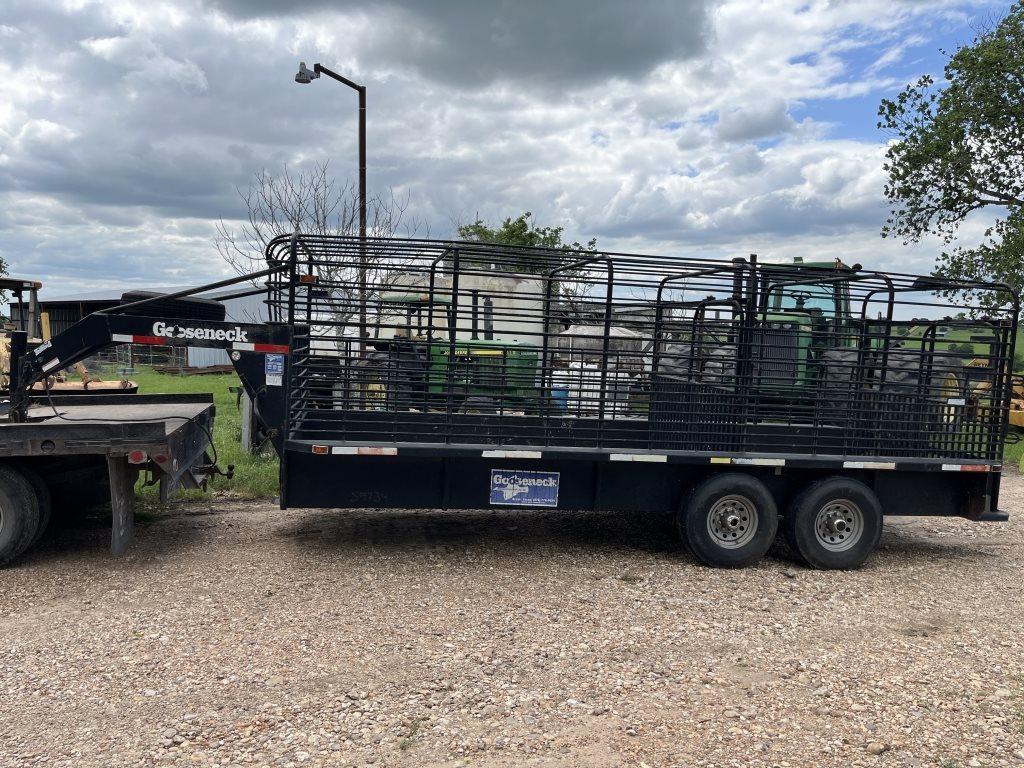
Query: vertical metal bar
[[453, 329], [362, 218], [606, 346], [19, 397], [475, 295]]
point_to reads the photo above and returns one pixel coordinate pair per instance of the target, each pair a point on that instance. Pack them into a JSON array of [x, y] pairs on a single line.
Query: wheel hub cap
[[839, 525], [732, 521]]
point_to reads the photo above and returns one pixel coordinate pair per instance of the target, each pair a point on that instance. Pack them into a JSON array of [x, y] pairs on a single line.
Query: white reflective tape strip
[[363, 450], [653, 457], [968, 468], [761, 462], [510, 454], [721, 460], [43, 347], [869, 464], [956, 401], [950, 467], [122, 338], [51, 364], [242, 346]]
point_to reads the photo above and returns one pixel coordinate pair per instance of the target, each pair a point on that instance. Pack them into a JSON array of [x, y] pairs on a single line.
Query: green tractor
[[491, 365], [806, 337]]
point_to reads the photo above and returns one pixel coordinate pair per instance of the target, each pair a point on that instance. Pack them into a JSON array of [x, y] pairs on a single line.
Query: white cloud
[[755, 121], [142, 59], [117, 157]]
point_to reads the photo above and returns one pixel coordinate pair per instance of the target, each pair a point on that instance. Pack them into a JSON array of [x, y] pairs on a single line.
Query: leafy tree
[[522, 231], [959, 149]]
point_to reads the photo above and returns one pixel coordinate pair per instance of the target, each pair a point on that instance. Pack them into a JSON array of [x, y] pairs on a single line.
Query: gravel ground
[[237, 634]]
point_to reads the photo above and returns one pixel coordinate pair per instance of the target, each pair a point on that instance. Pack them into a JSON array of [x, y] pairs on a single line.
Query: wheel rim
[[839, 525], [732, 521]]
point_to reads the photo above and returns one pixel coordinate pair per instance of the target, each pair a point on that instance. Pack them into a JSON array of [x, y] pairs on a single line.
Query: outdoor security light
[[305, 75]]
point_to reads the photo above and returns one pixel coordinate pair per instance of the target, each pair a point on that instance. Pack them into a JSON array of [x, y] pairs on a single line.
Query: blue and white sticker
[[524, 488], [273, 367]]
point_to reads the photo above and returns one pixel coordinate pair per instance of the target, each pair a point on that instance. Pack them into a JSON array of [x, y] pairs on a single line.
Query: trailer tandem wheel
[[19, 514], [834, 524], [729, 521], [45, 498]]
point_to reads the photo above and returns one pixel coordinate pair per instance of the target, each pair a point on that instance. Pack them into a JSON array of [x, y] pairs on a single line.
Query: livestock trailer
[[807, 398]]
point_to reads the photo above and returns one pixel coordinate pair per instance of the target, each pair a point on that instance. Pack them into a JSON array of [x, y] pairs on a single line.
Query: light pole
[[305, 76]]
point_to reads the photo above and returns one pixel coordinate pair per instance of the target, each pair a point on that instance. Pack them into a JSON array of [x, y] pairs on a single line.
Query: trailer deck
[[86, 449]]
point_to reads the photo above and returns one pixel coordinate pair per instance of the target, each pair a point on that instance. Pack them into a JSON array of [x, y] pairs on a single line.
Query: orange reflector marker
[[321, 450], [974, 468], [307, 279]]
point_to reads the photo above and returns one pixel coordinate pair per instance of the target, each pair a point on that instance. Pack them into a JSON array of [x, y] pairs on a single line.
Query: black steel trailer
[[75, 452], [746, 397]]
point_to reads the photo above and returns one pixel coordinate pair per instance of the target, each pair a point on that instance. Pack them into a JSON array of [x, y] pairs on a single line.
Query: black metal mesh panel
[[436, 342]]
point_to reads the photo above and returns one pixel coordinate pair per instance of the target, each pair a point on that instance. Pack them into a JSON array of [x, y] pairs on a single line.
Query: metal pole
[[362, 219], [361, 89]]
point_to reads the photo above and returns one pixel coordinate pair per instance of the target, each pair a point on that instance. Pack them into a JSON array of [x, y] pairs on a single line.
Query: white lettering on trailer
[[188, 333]]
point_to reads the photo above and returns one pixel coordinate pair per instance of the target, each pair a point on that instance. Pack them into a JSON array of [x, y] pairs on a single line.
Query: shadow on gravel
[[915, 547], [88, 538], [504, 530]]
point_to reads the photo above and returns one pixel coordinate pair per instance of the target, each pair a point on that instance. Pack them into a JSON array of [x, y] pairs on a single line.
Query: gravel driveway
[[237, 634]]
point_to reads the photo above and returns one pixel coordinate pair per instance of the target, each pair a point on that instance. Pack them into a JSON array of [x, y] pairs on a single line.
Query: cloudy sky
[[665, 126]]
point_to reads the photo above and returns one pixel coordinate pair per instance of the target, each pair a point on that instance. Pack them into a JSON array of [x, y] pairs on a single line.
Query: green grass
[[960, 337], [1013, 453], [255, 476]]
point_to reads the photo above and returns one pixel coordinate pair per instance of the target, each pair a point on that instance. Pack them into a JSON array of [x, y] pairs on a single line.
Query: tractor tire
[[479, 404], [837, 371], [19, 514], [904, 373], [719, 366]]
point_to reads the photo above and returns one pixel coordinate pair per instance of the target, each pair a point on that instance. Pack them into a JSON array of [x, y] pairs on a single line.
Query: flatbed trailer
[[77, 451], [804, 399]]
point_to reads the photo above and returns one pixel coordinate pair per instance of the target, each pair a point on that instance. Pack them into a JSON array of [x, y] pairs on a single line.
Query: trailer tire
[[19, 514], [45, 498], [729, 521], [834, 524]]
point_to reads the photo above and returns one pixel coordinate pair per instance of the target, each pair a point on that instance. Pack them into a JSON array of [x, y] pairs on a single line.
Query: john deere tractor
[[491, 363], [806, 340]]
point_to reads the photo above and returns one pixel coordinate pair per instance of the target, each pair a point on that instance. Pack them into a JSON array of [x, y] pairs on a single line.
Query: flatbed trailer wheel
[[45, 499], [729, 521], [19, 514], [834, 524]]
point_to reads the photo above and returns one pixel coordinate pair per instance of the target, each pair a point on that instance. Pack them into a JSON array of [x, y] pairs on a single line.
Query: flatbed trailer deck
[[81, 450]]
